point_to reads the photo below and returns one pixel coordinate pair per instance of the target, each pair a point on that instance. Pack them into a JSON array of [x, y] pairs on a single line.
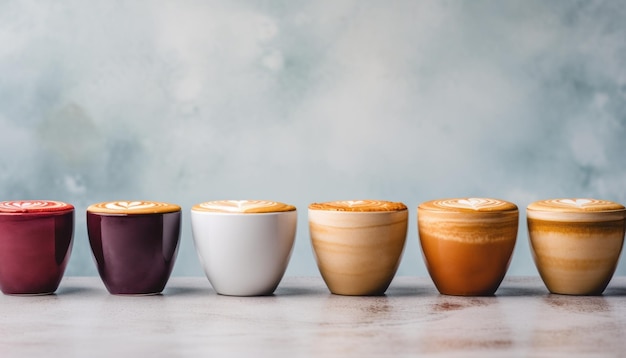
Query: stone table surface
[[303, 319]]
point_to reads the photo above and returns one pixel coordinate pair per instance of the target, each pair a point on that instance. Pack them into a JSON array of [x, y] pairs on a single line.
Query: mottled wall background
[[303, 101]]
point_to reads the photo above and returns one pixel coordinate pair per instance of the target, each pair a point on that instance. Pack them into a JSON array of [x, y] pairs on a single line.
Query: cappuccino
[[134, 243], [359, 206], [576, 243], [243, 206], [33, 206], [244, 246], [467, 243], [132, 207], [358, 244], [36, 239]]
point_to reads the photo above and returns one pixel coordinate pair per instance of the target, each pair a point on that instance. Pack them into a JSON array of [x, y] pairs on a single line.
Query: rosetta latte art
[[31, 204]]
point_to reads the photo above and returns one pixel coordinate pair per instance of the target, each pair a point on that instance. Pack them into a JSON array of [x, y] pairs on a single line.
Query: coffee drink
[[35, 245], [244, 246], [33, 206], [467, 243], [134, 243], [243, 206], [133, 207], [358, 244], [359, 206], [576, 243]]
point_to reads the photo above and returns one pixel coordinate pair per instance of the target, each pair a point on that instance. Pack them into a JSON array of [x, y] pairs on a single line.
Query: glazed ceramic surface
[[244, 248], [358, 244], [467, 243], [576, 243], [134, 249], [35, 245]]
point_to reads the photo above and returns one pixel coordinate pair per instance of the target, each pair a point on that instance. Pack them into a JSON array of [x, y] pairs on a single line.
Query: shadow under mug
[[35, 245], [134, 244]]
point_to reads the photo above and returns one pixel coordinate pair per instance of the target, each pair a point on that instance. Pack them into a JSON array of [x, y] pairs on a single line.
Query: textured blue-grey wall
[[303, 101]]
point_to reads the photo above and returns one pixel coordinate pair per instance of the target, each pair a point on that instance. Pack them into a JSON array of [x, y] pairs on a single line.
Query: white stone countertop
[[303, 319]]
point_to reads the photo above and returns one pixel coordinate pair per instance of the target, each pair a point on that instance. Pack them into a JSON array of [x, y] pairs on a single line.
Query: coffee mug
[[244, 246], [35, 245], [358, 244], [576, 243], [467, 243], [134, 244]]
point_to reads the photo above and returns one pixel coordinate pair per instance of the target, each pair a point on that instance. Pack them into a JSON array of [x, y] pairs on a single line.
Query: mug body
[[244, 252], [576, 243], [134, 250], [35, 245], [358, 244], [467, 243]]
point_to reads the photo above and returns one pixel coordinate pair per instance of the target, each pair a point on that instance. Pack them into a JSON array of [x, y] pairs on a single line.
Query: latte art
[[25, 206], [576, 202], [576, 210], [129, 205], [243, 206], [133, 207], [359, 206], [469, 204], [575, 205]]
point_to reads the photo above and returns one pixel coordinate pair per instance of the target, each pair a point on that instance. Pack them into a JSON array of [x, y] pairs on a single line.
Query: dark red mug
[[35, 245], [134, 244]]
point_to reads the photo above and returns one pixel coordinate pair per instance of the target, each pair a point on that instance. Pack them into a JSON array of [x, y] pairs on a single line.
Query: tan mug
[[358, 244], [576, 243], [467, 243]]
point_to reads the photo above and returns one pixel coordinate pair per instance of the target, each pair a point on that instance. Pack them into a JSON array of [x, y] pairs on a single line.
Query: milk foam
[[575, 204], [471, 203], [243, 206], [576, 209], [133, 207], [129, 205], [33, 205], [359, 205]]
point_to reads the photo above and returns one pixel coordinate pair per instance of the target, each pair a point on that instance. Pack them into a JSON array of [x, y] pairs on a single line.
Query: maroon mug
[[134, 244], [35, 245]]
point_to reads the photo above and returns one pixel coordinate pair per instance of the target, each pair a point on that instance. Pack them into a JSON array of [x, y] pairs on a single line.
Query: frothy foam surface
[[32, 206], [575, 205], [359, 206], [133, 207], [469, 204], [243, 206]]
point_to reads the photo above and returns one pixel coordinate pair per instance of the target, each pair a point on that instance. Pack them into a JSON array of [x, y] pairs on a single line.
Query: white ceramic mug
[[244, 246]]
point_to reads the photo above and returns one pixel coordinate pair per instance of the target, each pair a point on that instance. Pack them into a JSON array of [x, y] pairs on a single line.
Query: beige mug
[[576, 243], [358, 244]]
